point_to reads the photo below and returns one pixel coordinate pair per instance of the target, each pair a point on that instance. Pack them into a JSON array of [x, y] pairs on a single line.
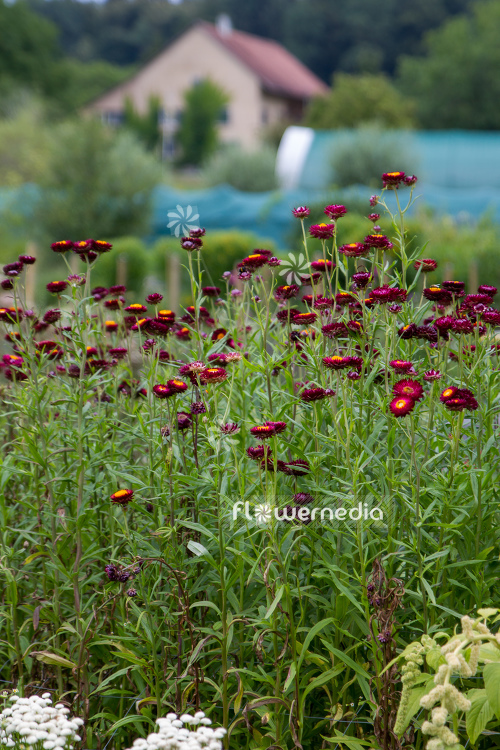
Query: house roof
[[278, 70]]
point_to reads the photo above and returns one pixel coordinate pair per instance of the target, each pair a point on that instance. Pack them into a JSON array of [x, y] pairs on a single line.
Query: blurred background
[[119, 119]]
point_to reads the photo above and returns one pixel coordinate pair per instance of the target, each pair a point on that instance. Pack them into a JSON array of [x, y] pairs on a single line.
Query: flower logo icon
[[292, 268], [183, 219], [263, 513]]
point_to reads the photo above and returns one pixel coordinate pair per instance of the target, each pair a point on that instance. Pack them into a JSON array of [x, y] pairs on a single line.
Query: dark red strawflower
[[444, 323], [383, 294], [162, 391], [374, 200], [374, 217], [410, 179], [353, 249], [322, 231], [392, 180], [62, 246], [491, 316], [101, 247], [432, 375], [322, 265], [259, 452], [119, 352], [301, 212], [197, 232], [230, 428], [336, 362], [483, 289], [379, 241], [459, 399], [136, 308], [312, 394], [286, 292], [256, 260], [122, 497], [408, 331], [311, 279], [189, 244], [198, 407], [394, 309], [471, 300], [401, 365], [184, 420], [401, 405], [335, 211], [212, 375], [303, 318], [334, 330], [28, 260], [154, 299], [16, 266], [462, 326], [211, 291], [298, 468], [307, 299], [436, 294], [56, 287], [51, 316], [323, 303], [411, 388], [448, 393], [426, 264], [457, 287], [176, 385], [344, 298], [361, 279]]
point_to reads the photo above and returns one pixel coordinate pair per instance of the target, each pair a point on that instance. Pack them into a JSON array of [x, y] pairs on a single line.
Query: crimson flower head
[[57, 287], [334, 330], [153, 299], [230, 428], [62, 246], [458, 399], [445, 323], [384, 294], [401, 365], [212, 375], [162, 391], [122, 497], [379, 241], [374, 200], [286, 292], [176, 385], [211, 291], [323, 303], [253, 261], [436, 294], [344, 298], [298, 468], [102, 247], [432, 375], [462, 326], [483, 289], [337, 362], [353, 249], [136, 308], [410, 179], [197, 232], [322, 265], [190, 244], [374, 217], [361, 279], [312, 394], [407, 331], [335, 211], [392, 180], [401, 405], [322, 231], [301, 319], [426, 264], [411, 388], [301, 212], [457, 287], [259, 452]]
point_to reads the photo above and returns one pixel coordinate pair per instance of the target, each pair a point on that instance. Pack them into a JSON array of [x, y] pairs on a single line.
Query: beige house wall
[[194, 56]]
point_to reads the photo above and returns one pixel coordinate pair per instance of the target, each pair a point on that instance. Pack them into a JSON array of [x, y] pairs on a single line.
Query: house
[[265, 83]]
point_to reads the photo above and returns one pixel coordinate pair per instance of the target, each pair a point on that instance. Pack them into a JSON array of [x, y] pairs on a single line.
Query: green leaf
[[48, 658], [491, 674], [479, 714]]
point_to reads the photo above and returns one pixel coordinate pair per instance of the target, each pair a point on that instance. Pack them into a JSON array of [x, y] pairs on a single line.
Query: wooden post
[[473, 277], [121, 270], [31, 274], [173, 279], [448, 269]]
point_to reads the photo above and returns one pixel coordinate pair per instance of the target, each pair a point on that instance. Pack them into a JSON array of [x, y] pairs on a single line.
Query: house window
[[112, 118], [223, 118]]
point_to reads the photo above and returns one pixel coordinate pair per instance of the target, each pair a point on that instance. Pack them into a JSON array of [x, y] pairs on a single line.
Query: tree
[[98, 183], [356, 99], [146, 127], [197, 135], [457, 85]]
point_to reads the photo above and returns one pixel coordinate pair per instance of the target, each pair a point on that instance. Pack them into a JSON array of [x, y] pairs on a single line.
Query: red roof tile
[[279, 71]]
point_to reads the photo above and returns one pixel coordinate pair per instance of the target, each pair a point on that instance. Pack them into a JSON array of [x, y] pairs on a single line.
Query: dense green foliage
[[197, 136], [457, 83], [147, 126], [357, 99], [251, 171], [98, 178], [162, 596]]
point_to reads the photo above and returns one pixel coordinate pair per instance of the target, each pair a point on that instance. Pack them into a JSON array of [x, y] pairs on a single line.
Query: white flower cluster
[[34, 722], [173, 735]]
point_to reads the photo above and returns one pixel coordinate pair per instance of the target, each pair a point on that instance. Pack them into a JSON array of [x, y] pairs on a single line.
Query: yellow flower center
[[136, 306], [165, 312], [394, 174], [448, 392], [121, 493], [111, 323], [178, 382], [401, 403], [435, 289]]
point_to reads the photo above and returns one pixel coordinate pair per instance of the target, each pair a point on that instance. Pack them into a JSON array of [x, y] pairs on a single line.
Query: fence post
[[31, 274], [173, 279], [121, 270], [473, 277]]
